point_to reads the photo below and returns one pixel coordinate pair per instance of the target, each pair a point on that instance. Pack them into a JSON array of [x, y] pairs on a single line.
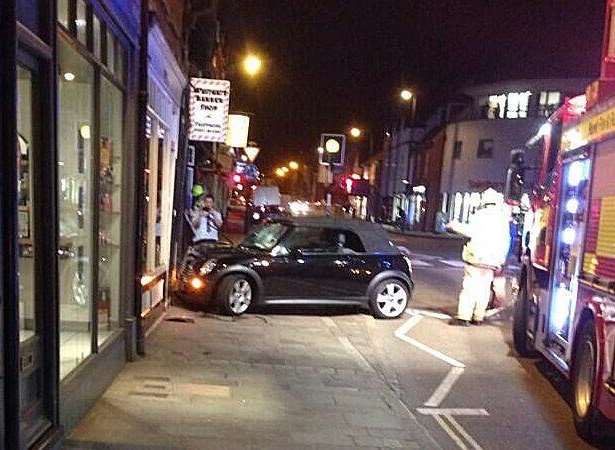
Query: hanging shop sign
[[591, 129], [209, 104], [238, 127]]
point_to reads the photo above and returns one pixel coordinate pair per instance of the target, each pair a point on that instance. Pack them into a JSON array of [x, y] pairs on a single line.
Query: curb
[[425, 234]]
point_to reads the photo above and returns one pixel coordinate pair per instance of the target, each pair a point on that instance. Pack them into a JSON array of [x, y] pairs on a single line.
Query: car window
[[265, 238], [312, 240], [351, 242]]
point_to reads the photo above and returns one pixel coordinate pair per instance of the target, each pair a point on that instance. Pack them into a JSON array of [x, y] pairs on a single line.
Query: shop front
[[166, 84], [67, 122]]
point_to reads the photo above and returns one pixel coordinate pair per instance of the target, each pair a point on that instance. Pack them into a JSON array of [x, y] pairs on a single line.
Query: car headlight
[[208, 267]]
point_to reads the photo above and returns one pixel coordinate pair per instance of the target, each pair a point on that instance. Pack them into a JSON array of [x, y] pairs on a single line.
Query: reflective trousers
[[475, 293]]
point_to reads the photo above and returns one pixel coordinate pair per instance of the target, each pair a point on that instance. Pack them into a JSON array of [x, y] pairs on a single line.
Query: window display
[[75, 173], [110, 190], [27, 317]]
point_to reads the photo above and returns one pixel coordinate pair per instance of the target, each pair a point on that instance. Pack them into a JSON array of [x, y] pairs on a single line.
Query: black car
[[302, 261]]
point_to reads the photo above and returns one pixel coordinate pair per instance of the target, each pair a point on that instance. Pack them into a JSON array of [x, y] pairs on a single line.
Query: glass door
[[33, 415], [568, 253]]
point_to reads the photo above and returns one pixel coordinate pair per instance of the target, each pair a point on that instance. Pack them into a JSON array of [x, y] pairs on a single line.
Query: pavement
[[337, 378], [266, 382]]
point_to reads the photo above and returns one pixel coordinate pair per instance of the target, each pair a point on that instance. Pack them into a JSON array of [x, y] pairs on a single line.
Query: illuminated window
[[496, 106], [548, 102], [517, 105], [485, 149]]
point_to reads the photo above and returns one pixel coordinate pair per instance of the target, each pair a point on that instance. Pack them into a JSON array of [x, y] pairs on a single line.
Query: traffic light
[[334, 149]]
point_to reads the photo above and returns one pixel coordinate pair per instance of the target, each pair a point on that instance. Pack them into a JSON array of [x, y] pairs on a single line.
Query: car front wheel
[[235, 294], [389, 300]]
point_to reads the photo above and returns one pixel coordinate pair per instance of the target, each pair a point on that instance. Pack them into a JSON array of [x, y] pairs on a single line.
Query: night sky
[[333, 64]]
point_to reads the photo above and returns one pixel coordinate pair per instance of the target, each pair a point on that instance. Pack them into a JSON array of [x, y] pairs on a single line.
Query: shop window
[[63, 12], [457, 147], [159, 195], [110, 51], [110, 190], [146, 196], [548, 102], [485, 149], [96, 38], [27, 316], [75, 176], [81, 22]]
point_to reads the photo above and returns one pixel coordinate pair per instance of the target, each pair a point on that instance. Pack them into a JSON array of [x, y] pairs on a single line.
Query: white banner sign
[[238, 129], [209, 104]]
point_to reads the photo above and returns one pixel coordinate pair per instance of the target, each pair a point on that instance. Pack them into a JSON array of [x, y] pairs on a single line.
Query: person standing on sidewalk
[[206, 221], [483, 254]]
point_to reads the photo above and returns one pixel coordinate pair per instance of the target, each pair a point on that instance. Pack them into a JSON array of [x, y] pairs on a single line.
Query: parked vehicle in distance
[[303, 261], [266, 195]]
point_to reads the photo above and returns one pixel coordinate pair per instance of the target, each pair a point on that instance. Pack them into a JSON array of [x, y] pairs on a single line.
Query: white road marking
[[450, 432], [464, 433], [400, 333], [453, 263], [453, 411], [427, 313], [445, 387]]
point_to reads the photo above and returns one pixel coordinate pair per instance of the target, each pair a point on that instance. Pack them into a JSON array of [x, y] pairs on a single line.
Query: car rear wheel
[[588, 420], [389, 300], [235, 294]]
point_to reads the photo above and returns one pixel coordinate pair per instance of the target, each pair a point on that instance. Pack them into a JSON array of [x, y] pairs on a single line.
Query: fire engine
[[565, 308]]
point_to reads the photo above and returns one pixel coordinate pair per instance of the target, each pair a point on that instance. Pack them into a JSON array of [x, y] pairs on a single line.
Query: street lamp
[[355, 132], [294, 165], [280, 173], [285, 169], [321, 150], [252, 64]]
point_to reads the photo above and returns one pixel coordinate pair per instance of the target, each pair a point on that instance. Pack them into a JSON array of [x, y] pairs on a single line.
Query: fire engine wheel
[[522, 342], [587, 418]]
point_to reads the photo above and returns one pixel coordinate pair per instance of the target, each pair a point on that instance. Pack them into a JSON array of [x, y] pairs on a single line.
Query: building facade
[[86, 198], [472, 151]]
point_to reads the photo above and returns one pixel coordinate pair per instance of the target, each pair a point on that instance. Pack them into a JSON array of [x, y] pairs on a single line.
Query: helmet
[[490, 197], [197, 190]]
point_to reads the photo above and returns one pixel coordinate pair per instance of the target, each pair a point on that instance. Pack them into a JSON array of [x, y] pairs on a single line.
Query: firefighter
[[484, 254]]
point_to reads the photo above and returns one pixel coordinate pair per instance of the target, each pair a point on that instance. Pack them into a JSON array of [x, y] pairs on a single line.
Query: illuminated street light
[[406, 95], [252, 65], [285, 169], [321, 150], [294, 165], [355, 132], [332, 146], [279, 172]]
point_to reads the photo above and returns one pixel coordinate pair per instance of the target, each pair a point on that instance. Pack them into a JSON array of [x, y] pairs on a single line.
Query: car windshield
[[265, 238]]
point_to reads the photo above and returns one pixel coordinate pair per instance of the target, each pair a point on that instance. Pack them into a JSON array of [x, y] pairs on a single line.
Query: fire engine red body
[[566, 305]]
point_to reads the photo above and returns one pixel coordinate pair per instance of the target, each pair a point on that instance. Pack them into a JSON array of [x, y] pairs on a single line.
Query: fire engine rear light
[[568, 236], [572, 206]]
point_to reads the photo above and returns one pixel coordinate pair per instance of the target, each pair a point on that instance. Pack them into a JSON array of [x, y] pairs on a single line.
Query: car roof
[[373, 236]]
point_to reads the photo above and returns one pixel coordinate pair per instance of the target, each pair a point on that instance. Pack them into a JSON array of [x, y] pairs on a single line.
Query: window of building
[[496, 106], [485, 149], [457, 147], [517, 105], [90, 144], [109, 226], [611, 48], [63, 12], [24, 154], [81, 22], [76, 174], [548, 102]]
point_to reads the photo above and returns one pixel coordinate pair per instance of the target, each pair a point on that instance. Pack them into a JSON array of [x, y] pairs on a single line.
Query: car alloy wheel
[[391, 299], [240, 296]]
